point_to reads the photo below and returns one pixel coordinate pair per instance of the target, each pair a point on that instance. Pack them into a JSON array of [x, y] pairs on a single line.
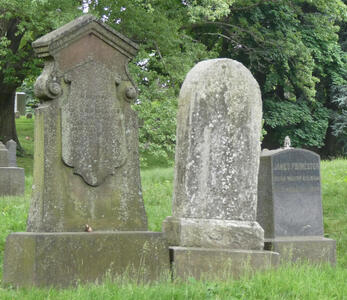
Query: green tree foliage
[[21, 22], [293, 49], [339, 125], [166, 55]]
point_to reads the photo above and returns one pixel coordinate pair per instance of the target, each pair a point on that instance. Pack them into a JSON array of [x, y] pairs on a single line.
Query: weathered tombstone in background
[[12, 178], [86, 167], [216, 168], [20, 103], [11, 146], [290, 205], [3, 156]]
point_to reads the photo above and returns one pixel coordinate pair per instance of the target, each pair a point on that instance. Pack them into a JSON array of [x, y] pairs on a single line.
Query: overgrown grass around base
[[287, 282], [25, 131], [13, 216], [334, 193], [157, 194]]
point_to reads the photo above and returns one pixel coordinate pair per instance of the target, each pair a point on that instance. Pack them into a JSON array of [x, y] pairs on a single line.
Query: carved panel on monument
[[86, 151], [93, 139]]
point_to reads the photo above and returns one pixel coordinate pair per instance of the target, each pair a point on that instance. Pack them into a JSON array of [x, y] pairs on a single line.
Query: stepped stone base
[[312, 249], [213, 233], [204, 263], [66, 259], [12, 181]]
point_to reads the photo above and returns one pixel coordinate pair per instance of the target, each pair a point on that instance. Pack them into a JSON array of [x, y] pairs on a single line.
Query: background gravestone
[[216, 163], [290, 205], [3, 155], [20, 103], [11, 146], [86, 166], [12, 178]]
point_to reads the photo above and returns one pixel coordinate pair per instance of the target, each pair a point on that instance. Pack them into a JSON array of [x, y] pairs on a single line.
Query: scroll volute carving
[[47, 85], [126, 90]]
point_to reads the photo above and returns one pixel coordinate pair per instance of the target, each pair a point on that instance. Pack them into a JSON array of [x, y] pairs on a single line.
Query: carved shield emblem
[[93, 130]]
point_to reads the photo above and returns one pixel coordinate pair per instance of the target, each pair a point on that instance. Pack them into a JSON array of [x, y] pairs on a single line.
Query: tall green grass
[[25, 130], [287, 282], [13, 215], [334, 193], [157, 193]]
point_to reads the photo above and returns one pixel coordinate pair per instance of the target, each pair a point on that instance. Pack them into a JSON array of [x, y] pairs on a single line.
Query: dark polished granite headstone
[[290, 202]]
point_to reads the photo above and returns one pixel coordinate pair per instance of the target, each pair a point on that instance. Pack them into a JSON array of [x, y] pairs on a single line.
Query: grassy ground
[[334, 193], [25, 129], [287, 282], [293, 282]]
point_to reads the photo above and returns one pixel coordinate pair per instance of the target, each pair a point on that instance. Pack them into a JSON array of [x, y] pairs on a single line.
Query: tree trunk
[[8, 91], [332, 146], [7, 118]]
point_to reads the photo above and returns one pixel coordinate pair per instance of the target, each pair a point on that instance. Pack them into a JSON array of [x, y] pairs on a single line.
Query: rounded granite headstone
[[218, 143], [217, 159]]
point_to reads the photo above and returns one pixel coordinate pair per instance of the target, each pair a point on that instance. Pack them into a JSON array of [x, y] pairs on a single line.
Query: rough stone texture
[[290, 205], [84, 124], [86, 168], [12, 179], [204, 263], [217, 158], [218, 143], [11, 146], [215, 186], [312, 249], [66, 259], [212, 233]]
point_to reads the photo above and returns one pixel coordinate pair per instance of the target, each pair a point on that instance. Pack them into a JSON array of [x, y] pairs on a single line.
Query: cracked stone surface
[[217, 154]]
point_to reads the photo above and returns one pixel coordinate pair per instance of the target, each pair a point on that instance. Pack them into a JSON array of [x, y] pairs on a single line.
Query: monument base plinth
[[205, 263], [213, 233], [69, 258], [312, 249]]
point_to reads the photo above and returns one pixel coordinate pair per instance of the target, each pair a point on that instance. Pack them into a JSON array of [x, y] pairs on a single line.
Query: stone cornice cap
[[53, 42]]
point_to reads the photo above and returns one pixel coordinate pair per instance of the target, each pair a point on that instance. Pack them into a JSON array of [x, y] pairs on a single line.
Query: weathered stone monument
[[290, 205], [86, 167], [216, 169], [12, 178]]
